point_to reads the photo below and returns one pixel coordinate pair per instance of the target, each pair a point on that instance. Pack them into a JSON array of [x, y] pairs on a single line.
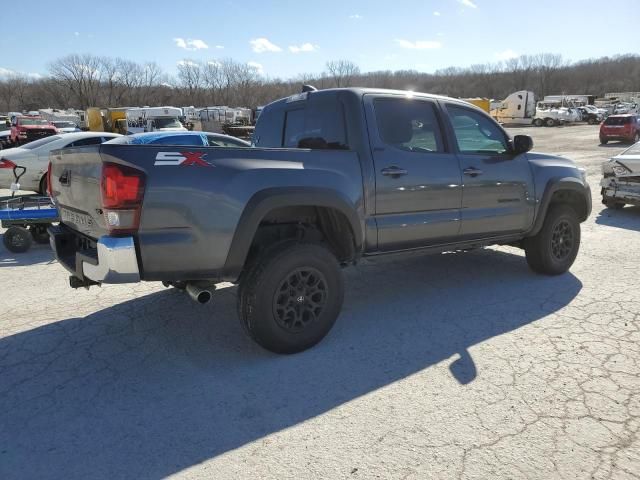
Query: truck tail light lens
[[122, 193]]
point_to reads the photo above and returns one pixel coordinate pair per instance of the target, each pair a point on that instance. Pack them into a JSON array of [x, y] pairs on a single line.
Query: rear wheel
[[42, 189], [592, 121], [554, 249], [17, 239], [291, 296], [636, 138], [550, 122], [538, 122], [603, 141]]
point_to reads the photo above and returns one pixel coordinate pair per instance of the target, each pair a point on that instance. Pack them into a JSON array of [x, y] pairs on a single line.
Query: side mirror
[[522, 144]]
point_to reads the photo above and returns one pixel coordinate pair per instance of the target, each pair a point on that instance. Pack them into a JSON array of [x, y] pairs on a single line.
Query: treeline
[[81, 81]]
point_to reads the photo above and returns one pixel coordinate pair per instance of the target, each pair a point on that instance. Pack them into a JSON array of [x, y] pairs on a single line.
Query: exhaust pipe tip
[[198, 294]]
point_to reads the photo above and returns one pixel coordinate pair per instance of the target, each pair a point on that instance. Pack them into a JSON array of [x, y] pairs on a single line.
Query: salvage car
[[334, 176], [621, 179], [625, 128], [34, 156]]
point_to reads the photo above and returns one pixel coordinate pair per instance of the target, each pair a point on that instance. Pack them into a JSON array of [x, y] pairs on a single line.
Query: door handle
[[472, 171], [393, 172], [64, 178]]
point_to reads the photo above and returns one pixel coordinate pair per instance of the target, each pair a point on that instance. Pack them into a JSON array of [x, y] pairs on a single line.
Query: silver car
[[34, 156]]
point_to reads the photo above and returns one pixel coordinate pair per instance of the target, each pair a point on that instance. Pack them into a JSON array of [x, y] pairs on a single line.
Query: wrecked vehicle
[[621, 182]]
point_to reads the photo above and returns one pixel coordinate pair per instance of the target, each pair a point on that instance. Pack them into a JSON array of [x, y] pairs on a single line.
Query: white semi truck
[[152, 119], [520, 108]]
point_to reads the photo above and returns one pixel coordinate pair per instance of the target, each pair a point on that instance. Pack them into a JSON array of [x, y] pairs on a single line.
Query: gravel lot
[[450, 366]]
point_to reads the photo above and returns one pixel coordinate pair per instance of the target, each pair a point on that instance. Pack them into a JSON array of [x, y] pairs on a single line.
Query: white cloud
[[213, 63], [305, 47], [77, 34], [437, 14], [506, 55], [187, 63], [418, 44], [467, 3], [190, 44], [219, 47], [260, 45], [356, 16], [5, 72], [257, 66]]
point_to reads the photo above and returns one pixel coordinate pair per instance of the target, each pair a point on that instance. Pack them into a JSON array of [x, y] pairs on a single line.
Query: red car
[[625, 128]]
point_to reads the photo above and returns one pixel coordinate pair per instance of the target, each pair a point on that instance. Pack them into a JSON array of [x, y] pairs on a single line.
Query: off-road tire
[[287, 317], [17, 239], [554, 248]]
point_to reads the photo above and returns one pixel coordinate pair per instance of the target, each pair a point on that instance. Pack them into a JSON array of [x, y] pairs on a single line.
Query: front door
[[498, 195], [418, 180]]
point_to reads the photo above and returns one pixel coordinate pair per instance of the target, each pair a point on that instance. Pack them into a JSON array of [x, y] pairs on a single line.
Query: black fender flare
[[264, 201], [555, 185]]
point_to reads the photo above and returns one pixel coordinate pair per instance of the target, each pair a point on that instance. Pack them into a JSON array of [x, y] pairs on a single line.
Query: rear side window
[[83, 142], [476, 133], [617, 120], [408, 124], [318, 126]]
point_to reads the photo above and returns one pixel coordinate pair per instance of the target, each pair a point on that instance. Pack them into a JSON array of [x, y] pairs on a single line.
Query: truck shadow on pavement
[[155, 385], [627, 218], [36, 254]]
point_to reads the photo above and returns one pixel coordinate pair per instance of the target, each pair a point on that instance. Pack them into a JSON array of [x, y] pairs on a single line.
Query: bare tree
[[81, 74], [341, 72]]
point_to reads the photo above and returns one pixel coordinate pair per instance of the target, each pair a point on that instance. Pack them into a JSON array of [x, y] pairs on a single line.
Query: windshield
[[32, 121], [64, 124], [166, 123], [41, 142], [617, 120]]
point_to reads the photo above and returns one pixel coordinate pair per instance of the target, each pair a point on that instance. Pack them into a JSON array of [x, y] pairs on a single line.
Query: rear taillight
[[6, 163], [122, 193]]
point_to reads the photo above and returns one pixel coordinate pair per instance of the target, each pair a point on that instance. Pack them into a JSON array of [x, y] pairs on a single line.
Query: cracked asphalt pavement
[[452, 366]]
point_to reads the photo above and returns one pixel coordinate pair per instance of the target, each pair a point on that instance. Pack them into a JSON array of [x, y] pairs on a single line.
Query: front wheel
[[554, 249], [291, 296], [592, 121]]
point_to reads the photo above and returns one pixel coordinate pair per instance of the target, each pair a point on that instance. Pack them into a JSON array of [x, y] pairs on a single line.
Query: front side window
[[408, 124], [476, 133]]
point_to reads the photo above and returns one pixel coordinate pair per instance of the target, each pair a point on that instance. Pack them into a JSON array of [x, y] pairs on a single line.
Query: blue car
[[201, 139]]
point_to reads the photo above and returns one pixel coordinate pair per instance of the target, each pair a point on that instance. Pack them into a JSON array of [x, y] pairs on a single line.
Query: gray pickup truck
[[335, 176]]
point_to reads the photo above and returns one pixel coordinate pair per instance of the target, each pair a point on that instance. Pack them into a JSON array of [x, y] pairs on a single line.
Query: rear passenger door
[[498, 192], [418, 181]]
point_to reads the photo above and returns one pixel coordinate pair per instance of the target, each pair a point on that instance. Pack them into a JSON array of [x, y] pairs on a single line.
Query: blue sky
[[284, 38]]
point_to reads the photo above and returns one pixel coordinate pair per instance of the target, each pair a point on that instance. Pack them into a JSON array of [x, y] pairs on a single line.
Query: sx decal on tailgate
[[183, 159]]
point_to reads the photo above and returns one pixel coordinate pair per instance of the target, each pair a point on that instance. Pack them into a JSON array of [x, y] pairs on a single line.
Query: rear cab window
[[316, 121]]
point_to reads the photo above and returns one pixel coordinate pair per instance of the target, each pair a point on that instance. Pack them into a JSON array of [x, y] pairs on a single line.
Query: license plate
[[78, 219]]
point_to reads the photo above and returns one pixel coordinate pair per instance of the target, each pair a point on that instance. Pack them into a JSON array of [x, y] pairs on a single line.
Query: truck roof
[[360, 92]]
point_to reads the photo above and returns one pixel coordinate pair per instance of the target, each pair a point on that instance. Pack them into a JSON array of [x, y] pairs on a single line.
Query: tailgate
[[75, 187]]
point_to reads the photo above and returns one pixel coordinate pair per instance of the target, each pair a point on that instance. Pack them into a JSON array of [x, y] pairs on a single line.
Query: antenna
[[308, 88]]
